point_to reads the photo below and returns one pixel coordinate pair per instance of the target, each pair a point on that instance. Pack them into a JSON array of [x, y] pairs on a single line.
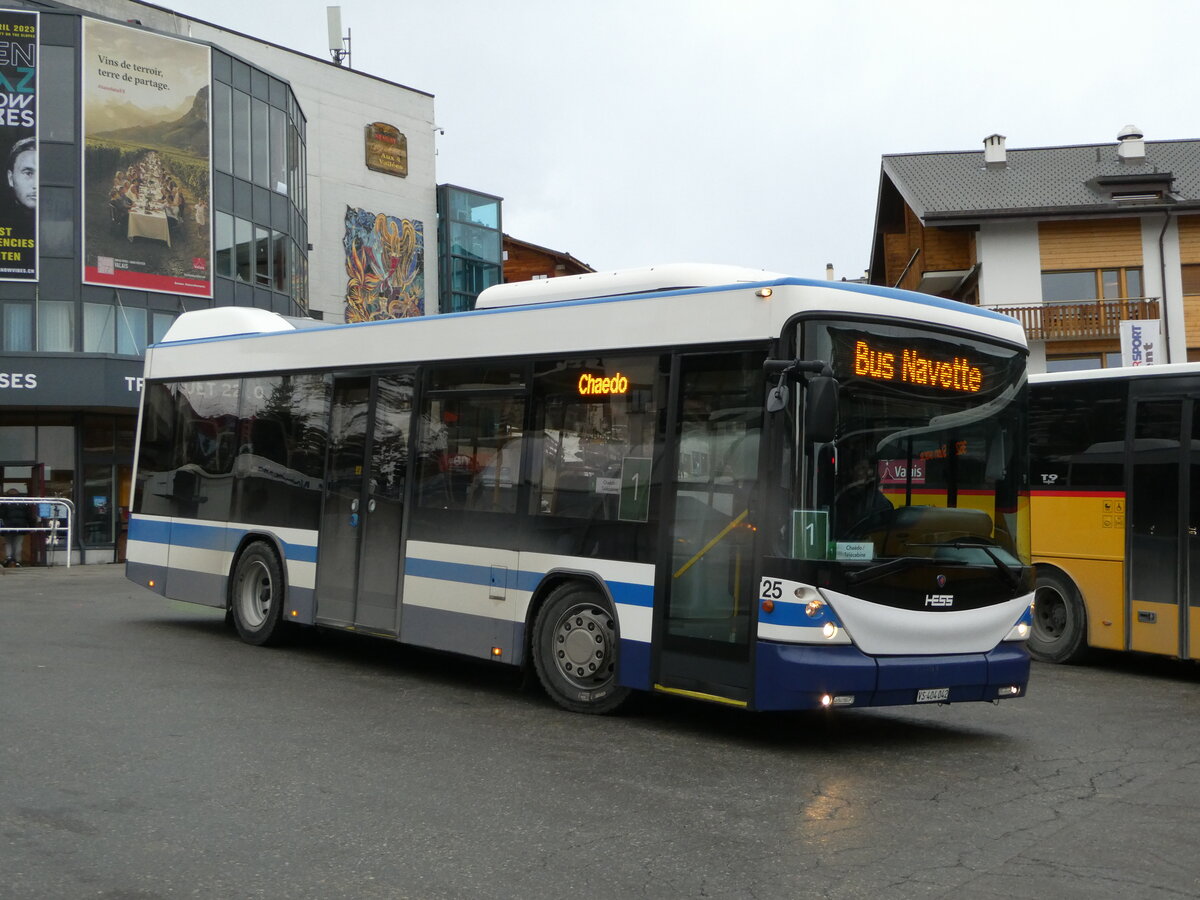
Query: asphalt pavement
[[145, 752]]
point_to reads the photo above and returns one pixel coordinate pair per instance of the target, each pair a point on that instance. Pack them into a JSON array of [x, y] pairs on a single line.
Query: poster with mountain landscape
[[146, 161]]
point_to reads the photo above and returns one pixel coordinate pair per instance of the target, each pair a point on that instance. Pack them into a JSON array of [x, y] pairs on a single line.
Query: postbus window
[[1077, 436], [595, 429]]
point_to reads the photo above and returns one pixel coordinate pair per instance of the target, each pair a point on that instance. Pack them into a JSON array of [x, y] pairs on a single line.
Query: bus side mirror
[[820, 409], [777, 397]]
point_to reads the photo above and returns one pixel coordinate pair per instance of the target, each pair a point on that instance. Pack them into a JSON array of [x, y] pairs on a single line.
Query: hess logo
[[939, 601]]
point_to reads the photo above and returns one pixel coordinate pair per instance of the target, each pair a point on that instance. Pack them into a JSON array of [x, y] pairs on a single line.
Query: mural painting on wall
[[146, 172], [385, 266]]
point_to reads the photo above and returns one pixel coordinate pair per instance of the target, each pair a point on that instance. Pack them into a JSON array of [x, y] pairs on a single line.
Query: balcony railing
[[1080, 320]]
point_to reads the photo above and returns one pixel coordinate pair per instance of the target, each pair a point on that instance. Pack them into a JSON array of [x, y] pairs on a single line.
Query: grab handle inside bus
[[820, 395]]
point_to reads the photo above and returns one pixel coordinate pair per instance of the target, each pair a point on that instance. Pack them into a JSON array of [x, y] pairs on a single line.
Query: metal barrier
[[53, 529]]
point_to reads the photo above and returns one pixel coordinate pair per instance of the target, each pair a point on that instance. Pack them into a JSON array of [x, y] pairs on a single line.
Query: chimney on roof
[[1130, 147], [829, 271], [994, 156]]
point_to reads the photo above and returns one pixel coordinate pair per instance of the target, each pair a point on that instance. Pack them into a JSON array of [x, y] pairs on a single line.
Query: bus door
[[359, 566], [1163, 533], [705, 632]]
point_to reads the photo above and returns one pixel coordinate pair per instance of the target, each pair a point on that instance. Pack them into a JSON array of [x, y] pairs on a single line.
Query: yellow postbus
[[1115, 503]]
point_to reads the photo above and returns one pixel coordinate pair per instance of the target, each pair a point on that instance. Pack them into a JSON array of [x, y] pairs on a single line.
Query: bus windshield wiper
[[899, 564], [1013, 577]]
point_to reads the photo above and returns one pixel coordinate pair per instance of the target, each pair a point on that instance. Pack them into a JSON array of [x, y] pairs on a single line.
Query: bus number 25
[[770, 589]]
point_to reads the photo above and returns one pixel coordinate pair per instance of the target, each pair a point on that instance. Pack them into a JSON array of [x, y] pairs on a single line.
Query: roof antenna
[[339, 47]]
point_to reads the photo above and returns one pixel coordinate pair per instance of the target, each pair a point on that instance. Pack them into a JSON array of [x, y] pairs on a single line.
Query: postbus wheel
[[1059, 620], [256, 595], [575, 651]]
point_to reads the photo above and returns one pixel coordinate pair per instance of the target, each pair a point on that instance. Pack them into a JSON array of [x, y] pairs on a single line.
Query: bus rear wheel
[[1059, 620], [575, 651], [256, 596]]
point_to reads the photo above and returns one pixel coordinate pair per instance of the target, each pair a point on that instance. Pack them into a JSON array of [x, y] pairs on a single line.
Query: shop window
[[17, 443], [98, 503], [98, 436]]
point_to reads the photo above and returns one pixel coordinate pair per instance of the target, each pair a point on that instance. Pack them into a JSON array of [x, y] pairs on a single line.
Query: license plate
[[933, 695]]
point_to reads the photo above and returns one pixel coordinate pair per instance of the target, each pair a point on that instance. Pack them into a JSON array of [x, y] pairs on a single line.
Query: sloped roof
[[943, 187]]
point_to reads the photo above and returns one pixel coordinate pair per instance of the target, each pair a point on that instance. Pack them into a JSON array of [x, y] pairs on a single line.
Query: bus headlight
[[829, 630]]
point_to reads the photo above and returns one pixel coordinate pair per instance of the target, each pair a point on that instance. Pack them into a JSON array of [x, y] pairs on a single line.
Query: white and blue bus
[[746, 488]]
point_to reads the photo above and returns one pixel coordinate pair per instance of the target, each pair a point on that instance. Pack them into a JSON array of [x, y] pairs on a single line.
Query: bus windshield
[[929, 459]]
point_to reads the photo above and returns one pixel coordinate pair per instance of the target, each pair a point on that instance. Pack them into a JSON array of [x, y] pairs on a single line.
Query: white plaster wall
[[1010, 272], [1152, 280], [338, 104]]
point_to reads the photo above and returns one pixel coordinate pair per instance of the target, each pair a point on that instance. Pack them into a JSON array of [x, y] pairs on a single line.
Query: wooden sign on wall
[[387, 149]]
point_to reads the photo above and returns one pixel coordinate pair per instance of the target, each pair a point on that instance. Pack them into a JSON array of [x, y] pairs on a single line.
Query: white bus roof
[[670, 277], [647, 311], [226, 321]]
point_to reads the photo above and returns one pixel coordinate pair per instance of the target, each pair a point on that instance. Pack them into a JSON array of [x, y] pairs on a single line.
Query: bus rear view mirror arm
[[820, 400]]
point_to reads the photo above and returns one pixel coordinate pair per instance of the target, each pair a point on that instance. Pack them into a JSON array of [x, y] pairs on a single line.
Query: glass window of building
[[241, 135], [131, 331], [222, 116], [56, 94], [262, 256], [98, 328], [469, 228], [260, 142], [17, 326], [55, 321], [243, 233], [223, 244]]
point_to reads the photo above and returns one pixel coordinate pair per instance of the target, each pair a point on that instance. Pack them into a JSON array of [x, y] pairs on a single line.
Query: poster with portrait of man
[[19, 144], [147, 177]]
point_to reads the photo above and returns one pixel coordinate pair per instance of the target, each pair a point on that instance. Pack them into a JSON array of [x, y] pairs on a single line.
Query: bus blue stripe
[[152, 531], [206, 537], [464, 573]]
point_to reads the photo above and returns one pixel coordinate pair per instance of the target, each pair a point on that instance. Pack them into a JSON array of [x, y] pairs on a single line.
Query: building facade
[[178, 165], [1071, 240], [524, 261]]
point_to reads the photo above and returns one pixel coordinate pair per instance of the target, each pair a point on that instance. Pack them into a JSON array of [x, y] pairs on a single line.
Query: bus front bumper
[[796, 676]]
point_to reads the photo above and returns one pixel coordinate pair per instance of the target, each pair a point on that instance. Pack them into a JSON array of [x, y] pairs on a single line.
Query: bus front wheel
[[575, 651], [256, 595], [1059, 620]]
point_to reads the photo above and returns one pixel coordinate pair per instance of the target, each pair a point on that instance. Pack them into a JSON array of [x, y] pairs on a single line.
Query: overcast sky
[[749, 132]]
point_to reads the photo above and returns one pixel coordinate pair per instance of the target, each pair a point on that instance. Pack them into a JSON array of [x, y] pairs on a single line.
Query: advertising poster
[[385, 266], [19, 144], [1140, 342], [146, 161]]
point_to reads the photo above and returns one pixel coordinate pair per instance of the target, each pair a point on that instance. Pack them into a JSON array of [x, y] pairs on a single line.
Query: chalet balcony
[[1080, 320]]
